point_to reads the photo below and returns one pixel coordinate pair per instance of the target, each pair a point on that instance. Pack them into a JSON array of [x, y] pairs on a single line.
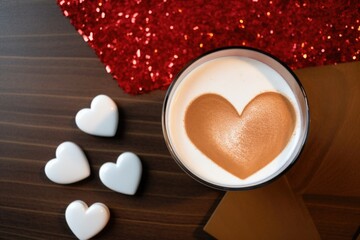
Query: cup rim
[[220, 187]]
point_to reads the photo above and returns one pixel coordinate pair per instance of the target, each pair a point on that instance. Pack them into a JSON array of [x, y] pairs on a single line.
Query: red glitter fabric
[[145, 43]]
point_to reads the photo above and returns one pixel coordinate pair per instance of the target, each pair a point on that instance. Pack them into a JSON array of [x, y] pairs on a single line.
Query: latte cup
[[235, 118]]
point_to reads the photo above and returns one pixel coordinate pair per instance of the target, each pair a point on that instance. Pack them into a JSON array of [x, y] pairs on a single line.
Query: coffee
[[232, 121], [242, 143]]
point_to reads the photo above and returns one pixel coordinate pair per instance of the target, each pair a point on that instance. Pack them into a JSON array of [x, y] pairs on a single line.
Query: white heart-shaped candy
[[69, 166], [86, 222], [101, 119], [124, 176]]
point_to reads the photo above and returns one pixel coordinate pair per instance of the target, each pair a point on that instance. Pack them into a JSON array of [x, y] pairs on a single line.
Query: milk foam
[[239, 80]]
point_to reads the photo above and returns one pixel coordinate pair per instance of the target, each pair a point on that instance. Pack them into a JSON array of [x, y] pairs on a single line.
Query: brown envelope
[[269, 212], [277, 210]]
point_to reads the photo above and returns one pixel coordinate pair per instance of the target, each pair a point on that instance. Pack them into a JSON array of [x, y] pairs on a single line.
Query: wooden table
[[47, 74]]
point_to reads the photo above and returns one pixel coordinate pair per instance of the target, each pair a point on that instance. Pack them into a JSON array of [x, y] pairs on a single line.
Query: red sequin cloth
[[145, 43]]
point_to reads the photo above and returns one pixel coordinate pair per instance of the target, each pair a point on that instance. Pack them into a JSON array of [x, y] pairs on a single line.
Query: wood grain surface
[[47, 74]]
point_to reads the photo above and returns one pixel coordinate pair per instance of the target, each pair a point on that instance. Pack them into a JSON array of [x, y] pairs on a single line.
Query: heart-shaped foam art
[[69, 166], [241, 144], [124, 176], [86, 222], [101, 119]]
